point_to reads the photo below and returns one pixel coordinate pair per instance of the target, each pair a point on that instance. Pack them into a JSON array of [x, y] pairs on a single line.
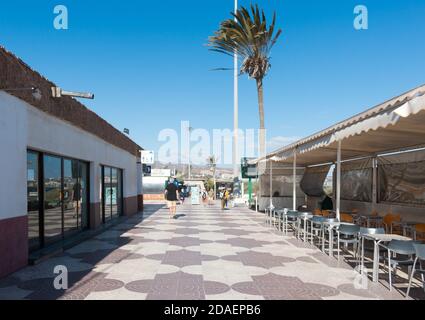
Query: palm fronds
[[249, 36]]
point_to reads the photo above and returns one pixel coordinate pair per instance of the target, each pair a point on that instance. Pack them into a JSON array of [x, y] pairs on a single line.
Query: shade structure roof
[[394, 125]]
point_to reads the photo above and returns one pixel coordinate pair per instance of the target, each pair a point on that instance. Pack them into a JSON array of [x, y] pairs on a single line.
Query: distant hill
[[196, 170]]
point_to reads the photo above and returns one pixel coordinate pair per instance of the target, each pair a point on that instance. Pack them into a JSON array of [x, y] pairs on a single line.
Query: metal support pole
[[188, 166], [235, 110], [294, 183], [374, 182], [271, 184], [250, 190], [338, 181]]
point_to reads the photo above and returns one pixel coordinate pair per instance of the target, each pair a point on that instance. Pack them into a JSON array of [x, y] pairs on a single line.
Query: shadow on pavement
[[39, 280]]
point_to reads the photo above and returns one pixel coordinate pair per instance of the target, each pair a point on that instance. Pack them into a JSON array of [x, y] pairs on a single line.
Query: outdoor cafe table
[[377, 239]]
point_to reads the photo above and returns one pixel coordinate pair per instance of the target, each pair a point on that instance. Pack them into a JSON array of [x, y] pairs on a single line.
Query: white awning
[[384, 119], [397, 124]]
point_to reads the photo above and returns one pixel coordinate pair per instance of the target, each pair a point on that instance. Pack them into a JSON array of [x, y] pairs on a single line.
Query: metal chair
[[345, 217], [364, 232], [317, 212], [420, 258], [291, 218], [326, 231], [316, 228], [280, 217], [302, 224], [348, 234], [399, 248], [388, 220], [419, 232], [273, 217], [268, 215]]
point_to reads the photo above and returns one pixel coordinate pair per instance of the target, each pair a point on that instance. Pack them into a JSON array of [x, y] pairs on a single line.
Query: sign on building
[[147, 170], [248, 170], [147, 157]]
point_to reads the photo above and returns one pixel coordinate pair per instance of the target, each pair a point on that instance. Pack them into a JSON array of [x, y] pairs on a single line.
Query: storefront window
[[112, 201], [83, 213], [52, 198], [57, 198], [114, 192], [71, 195], [33, 200]]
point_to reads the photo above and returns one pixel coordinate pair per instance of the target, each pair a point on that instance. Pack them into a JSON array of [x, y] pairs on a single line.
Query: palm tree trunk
[[262, 133]]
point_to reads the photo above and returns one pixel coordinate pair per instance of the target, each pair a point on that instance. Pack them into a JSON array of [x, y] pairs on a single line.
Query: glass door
[[57, 198], [107, 192], [83, 183], [71, 196], [112, 201], [53, 196], [114, 193], [33, 201], [119, 192]]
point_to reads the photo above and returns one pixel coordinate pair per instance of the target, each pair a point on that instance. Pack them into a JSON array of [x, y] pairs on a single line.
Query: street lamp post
[[235, 110], [188, 168]]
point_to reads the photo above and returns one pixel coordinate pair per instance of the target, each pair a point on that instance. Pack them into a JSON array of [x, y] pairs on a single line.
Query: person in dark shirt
[[327, 203], [171, 195]]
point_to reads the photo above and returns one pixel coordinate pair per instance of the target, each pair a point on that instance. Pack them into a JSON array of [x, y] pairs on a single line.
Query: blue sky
[[147, 63]]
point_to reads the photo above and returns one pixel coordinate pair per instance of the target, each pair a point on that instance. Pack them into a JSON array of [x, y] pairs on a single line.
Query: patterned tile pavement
[[205, 253]]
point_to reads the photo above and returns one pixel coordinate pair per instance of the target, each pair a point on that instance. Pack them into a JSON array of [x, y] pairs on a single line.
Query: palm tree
[[251, 39]]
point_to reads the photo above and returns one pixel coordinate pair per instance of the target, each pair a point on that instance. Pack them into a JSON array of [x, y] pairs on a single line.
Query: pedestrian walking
[[211, 197], [204, 198], [225, 199], [171, 195]]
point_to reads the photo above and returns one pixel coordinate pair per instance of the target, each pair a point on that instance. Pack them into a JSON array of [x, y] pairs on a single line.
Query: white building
[[64, 169]]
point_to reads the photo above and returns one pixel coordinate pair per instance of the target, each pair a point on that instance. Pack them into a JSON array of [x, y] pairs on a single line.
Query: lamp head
[[36, 93]]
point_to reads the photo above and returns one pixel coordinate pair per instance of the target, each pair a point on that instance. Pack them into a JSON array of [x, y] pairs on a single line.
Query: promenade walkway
[[205, 253]]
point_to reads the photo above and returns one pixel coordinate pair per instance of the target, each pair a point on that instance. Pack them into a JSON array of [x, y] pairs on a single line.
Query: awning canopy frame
[[394, 126], [393, 120]]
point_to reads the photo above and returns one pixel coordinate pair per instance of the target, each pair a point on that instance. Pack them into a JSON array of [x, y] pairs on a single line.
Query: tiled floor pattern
[[205, 253]]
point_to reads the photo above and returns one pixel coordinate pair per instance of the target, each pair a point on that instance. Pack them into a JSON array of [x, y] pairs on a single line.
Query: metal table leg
[[362, 253], [311, 232], [331, 243], [376, 261]]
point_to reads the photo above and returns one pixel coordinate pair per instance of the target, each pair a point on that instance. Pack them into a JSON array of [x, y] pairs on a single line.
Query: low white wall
[[23, 126]]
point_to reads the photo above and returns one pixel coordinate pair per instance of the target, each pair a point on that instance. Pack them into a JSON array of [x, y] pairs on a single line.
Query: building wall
[[13, 133], [24, 127], [13, 202], [15, 73]]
